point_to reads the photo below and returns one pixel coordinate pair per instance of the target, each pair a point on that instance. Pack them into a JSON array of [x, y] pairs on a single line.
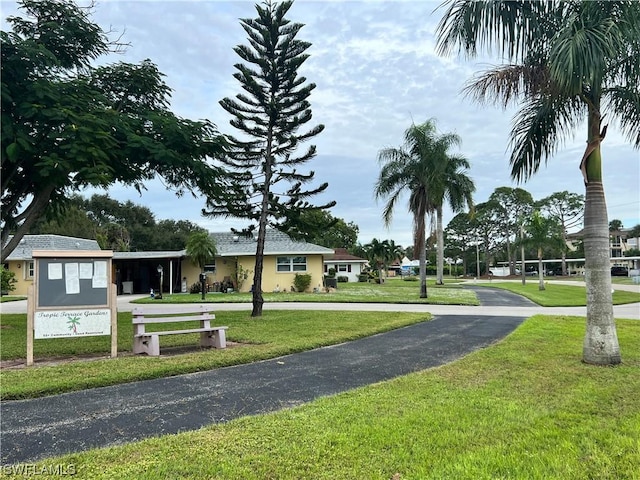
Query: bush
[[343, 279], [363, 277], [301, 281], [410, 278], [195, 288], [331, 272], [8, 281]]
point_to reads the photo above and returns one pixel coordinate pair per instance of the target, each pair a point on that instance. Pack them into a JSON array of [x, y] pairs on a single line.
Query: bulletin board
[[66, 282], [72, 296]]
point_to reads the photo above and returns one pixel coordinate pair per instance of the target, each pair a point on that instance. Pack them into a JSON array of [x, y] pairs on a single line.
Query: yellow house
[[232, 268], [234, 265], [20, 261]]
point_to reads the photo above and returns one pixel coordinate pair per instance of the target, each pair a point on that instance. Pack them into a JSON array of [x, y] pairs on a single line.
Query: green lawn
[[525, 408], [275, 333], [392, 291], [11, 298], [557, 295]]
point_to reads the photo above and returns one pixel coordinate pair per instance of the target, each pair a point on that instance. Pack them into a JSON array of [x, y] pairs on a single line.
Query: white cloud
[[376, 71]]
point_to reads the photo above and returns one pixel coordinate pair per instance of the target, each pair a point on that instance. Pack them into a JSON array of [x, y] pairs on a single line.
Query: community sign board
[[72, 296]]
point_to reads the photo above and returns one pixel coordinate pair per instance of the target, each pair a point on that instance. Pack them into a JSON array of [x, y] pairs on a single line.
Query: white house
[[345, 264]]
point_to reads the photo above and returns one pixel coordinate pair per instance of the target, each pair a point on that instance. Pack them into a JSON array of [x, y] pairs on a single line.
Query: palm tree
[[450, 183], [378, 254], [566, 62], [201, 249], [542, 232], [422, 168]]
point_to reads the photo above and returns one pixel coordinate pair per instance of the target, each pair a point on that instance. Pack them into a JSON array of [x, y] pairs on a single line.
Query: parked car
[[618, 271]]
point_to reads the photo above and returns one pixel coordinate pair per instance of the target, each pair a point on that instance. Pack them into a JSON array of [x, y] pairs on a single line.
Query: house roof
[[341, 255], [29, 243], [148, 255], [276, 243], [227, 245]]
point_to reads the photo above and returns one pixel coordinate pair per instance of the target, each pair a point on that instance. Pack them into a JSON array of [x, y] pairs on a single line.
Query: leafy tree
[[485, 230], [513, 206], [542, 232], [8, 280], [568, 209], [201, 249], [417, 168], [565, 62], [67, 125], [267, 184], [459, 237], [174, 234], [321, 228]]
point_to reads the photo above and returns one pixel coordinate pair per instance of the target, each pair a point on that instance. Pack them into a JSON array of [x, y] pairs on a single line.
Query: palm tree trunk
[[440, 251], [601, 340], [540, 273]]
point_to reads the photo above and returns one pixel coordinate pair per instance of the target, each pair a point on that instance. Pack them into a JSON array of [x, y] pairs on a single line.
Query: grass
[[276, 333], [11, 298], [557, 295], [523, 408], [392, 291]]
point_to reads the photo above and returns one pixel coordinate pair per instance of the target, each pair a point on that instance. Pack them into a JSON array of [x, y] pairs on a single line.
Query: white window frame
[[29, 269], [289, 264]]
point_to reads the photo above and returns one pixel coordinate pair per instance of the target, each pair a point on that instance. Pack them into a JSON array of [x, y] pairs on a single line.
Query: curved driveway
[[35, 429]]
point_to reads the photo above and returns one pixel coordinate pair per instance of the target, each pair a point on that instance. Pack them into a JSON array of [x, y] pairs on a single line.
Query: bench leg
[[220, 339], [148, 344], [216, 339], [154, 346]]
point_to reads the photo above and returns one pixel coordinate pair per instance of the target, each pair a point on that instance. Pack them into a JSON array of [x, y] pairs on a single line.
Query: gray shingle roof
[[229, 245], [29, 243]]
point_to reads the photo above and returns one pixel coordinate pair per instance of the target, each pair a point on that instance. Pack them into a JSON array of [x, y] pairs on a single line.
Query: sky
[[376, 72]]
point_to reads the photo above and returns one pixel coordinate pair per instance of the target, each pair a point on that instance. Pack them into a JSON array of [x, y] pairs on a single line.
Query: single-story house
[[233, 267], [20, 261], [345, 264], [283, 259]]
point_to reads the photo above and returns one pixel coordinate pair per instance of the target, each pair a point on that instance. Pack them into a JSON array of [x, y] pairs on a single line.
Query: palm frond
[[512, 28], [506, 84], [625, 102], [540, 127]]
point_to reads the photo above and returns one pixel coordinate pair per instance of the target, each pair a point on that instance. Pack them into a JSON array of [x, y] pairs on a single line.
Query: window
[[291, 264], [210, 268], [28, 270]]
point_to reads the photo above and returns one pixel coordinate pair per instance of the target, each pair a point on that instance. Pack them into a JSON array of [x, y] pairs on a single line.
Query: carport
[[139, 272]]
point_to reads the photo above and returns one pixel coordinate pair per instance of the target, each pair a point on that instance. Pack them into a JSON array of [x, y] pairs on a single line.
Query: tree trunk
[[33, 212], [440, 252], [601, 340], [423, 266], [540, 272]]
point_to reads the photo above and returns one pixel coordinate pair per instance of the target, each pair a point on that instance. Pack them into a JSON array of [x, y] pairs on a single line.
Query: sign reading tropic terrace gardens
[[72, 323], [72, 296]]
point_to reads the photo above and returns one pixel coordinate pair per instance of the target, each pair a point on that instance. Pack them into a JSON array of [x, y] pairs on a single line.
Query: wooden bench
[[149, 342]]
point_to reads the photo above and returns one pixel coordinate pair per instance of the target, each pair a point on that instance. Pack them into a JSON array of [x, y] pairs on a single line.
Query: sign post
[[73, 296]]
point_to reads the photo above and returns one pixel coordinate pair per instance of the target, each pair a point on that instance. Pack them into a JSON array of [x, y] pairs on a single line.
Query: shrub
[[363, 277], [8, 281], [410, 278], [301, 281], [331, 272], [343, 279], [195, 288]]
